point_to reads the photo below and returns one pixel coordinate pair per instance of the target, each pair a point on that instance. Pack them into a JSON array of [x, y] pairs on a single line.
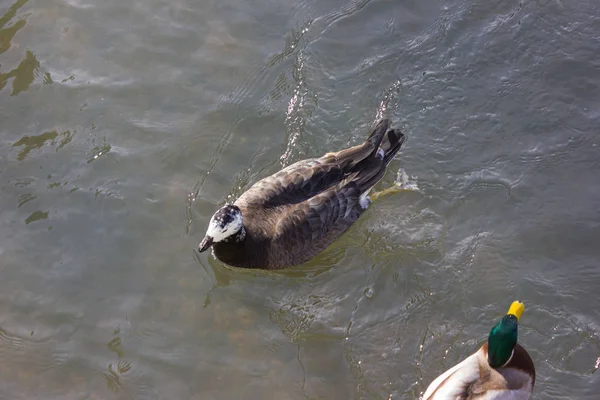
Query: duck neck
[[234, 251], [241, 235]]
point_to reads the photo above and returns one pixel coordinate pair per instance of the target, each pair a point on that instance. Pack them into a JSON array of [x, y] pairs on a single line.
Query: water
[[124, 124]]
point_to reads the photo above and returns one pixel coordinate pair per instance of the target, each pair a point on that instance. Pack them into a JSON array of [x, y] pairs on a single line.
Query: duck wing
[[307, 178], [307, 228], [473, 378], [455, 384]]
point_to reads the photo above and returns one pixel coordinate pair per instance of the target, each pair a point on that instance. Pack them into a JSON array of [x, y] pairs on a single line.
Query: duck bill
[[205, 244]]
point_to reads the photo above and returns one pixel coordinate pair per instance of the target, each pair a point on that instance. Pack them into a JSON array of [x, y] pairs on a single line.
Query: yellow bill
[[516, 309]]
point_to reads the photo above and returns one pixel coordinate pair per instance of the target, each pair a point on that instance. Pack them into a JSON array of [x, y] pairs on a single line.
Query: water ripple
[[299, 110]]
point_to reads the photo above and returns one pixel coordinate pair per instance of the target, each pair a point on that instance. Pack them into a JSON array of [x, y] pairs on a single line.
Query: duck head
[[503, 336], [225, 223]]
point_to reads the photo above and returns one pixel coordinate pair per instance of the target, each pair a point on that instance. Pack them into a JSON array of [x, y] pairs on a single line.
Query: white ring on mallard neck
[[510, 358]]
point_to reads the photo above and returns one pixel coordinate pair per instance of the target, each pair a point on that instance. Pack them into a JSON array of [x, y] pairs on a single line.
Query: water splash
[[294, 118], [404, 182], [389, 95]]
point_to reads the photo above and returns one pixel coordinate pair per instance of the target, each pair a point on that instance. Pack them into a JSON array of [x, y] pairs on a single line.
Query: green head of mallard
[[503, 336]]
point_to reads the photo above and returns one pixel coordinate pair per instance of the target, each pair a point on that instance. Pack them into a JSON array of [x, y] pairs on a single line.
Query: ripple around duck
[[336, 15]]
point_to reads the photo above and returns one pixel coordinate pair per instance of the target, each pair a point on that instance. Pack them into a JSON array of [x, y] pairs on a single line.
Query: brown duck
[[291, 216]]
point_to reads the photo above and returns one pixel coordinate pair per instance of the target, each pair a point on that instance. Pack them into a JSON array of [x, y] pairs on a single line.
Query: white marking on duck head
[[226, 222]]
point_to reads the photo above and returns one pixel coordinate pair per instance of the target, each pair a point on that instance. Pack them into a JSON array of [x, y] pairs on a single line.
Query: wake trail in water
[[294, 118], [388, 97], [245, 90]]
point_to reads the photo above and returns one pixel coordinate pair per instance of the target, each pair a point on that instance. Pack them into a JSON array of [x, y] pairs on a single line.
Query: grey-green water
[[125, 124]]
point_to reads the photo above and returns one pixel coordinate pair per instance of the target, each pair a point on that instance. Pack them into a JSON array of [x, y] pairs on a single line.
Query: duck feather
[[473, 378], [294, 214], [307, 178]]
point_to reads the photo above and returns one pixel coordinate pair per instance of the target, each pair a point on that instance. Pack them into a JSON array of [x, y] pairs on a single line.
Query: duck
[[287, 218], [500, 370]]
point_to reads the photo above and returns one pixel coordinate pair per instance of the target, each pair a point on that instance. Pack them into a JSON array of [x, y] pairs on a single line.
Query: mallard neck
[[502, 341]]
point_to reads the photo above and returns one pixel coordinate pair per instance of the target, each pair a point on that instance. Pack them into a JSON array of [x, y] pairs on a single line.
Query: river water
[[126, 123]]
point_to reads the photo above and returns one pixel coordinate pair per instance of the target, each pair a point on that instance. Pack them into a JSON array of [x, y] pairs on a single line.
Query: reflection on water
[[36, 216], [113, 381], [24, 198], [116, 371], [24, 74], [125, 124], [98, 150], [36, 142], [8, 32]]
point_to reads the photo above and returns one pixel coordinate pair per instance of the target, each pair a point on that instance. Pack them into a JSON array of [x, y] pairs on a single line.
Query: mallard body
[[473, 378], [500, 370]]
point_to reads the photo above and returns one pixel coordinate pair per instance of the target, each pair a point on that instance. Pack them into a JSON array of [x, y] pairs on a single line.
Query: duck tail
[[391, 144], [350, 157], [372, 169], [376, 137]]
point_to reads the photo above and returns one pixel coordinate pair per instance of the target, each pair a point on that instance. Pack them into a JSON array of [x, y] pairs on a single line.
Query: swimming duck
[[500, 370], [291, 216]]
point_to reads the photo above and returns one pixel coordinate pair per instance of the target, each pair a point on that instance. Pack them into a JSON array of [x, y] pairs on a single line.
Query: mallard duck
[[291, 216], [500, 370]]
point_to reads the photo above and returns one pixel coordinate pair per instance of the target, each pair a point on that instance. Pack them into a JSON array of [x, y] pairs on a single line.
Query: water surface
[[125, 124]]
